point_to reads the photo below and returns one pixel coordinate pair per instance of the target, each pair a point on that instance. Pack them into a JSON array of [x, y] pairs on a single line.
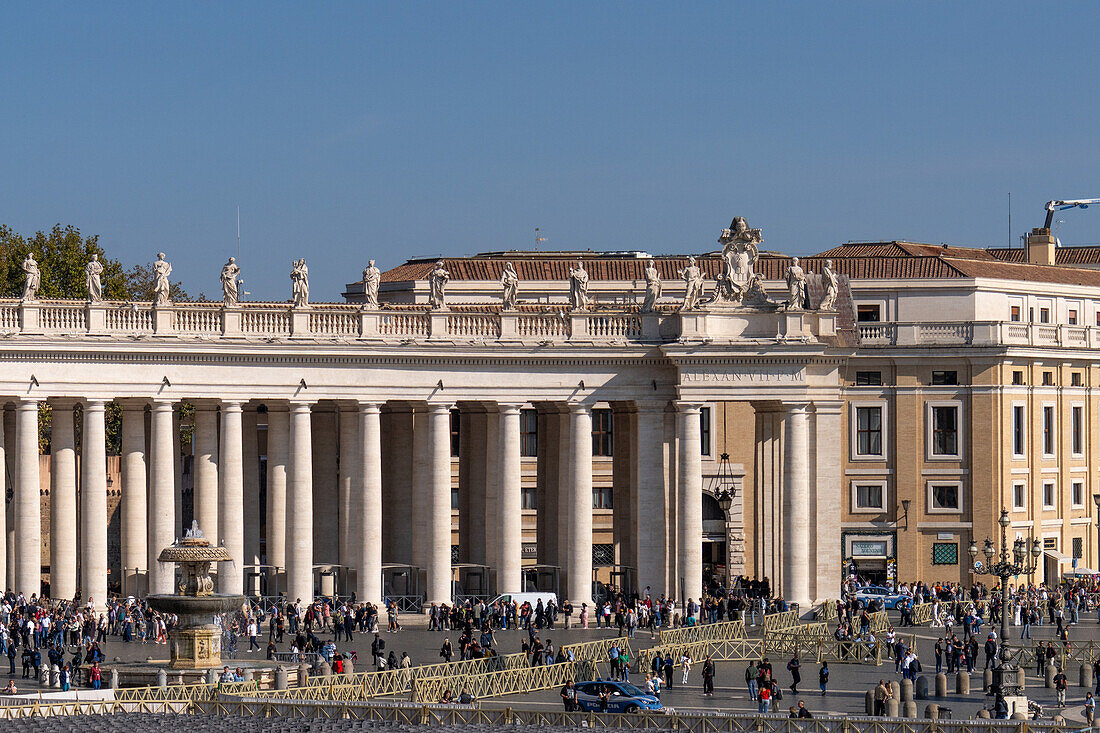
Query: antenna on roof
[[538, 239]]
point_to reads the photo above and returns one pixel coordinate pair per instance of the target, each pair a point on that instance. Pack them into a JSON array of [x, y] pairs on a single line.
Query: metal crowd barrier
[[704, 632]]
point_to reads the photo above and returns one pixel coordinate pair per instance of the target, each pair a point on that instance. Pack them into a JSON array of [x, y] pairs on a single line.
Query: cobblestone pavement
[[847, 687]]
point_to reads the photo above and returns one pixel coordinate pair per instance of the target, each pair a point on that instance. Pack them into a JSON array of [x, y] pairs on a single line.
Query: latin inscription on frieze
[[748, 376]]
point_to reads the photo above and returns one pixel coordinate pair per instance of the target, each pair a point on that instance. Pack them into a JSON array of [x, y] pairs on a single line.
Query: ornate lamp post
[[1007, 565], [724, 488]]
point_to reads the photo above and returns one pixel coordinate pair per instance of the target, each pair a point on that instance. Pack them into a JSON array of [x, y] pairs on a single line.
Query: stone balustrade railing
[[338, 322], [978, 333]]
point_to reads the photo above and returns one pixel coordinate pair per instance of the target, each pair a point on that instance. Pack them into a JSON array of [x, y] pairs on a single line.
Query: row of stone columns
[[664, 468]]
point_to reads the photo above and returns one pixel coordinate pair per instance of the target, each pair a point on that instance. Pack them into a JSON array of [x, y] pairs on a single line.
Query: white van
[[532, 598]]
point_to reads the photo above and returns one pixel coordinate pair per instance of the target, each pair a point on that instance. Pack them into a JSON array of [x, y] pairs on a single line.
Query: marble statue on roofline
[[34, 277], [739, 254], [437, 282], [299, 283], [92, 282], [162, 288], [796, 286], [578, 287], [652, 287], [229, 281], [509, 280], [831, 283], [693, 285], [372, 277]]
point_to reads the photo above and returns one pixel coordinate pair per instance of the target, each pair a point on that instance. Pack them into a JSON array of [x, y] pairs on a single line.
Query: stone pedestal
[[196, 647]]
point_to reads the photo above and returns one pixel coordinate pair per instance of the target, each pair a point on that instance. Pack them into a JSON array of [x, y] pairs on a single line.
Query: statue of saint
[[831, 284], [652, 287], [372, 277], [299, 283], [437, 281], [693, 285], [509, 280], [92, 282], [34, 278], [578, 287], [229, 282], [755, 293], [796, 285], [162, 289]]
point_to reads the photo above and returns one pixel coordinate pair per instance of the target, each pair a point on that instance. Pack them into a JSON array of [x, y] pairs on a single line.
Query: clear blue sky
[[352, 130]]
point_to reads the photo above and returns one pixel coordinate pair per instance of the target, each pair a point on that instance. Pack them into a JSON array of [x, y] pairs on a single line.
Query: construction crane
[[1053, 206]]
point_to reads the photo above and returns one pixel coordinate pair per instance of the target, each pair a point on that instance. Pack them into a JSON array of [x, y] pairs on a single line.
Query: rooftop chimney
[[1040, 247]]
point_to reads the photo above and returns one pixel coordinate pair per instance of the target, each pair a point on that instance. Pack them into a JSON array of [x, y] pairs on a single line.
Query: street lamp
[[724, 488], [1008, 564]]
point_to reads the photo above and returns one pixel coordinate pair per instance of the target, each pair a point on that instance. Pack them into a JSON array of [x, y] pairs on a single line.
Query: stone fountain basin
[[195, 607]]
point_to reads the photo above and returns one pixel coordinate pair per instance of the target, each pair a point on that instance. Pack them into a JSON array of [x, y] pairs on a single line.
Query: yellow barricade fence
[[922, 613], [508, 682], [880, 622], [703, 632], [781, 620], [828, 611], [591, 651]]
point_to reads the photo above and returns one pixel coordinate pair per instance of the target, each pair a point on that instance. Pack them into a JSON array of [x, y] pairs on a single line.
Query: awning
[[1061, 557]]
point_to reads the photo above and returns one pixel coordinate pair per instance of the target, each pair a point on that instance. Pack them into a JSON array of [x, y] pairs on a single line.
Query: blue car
[[623, 698], [886, 597]]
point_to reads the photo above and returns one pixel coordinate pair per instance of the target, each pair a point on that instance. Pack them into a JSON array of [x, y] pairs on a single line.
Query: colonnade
[[391, 481]]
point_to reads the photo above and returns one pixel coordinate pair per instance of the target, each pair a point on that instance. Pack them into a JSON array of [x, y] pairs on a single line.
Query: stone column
[[278, 448], [299, 506], [825, 550], [350, 488], [205, 469], [11, 454], [134, 518], [420, 485], [28, 507], [563, 490], [624, 481], [250, 465], [767, 497], [63, 510], [4, 556], [579, 549], [177, 469], [369, 503], [438, 536], [651, 529], [509, 503], [796, 506], [93, 506], [326, 493], [162, 496], [231, 499], [689, 502]]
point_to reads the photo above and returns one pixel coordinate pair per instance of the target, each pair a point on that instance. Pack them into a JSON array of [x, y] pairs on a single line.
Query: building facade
[[427, 452]]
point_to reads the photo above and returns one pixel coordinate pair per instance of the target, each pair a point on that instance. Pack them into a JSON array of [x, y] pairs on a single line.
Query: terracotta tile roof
[[903, 249], [1031, 273], [1083, 255]]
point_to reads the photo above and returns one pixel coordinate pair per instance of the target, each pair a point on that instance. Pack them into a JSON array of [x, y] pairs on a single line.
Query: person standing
[[708, 676], [750, 680], [1060, 684], [1090, 708], [765, 699], [793, 667], [823, 678]]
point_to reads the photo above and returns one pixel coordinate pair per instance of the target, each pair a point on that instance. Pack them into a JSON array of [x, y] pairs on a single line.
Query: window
[[945, 377], [1048, 495], [1098, 318], [1044, 315], [527, 497], [1075, 379], [603, 554], [1078, 547], [1048, 430], [456, 421], [1019, 496], [1077, 493], [454, 499], [868, 379], [1014, 313], [945, 553], [1050, 543], [601, 432], [1075, 430], [601, 497], [868, 314], [869, 431], [1019, 430], [1071, 317], [868, 496], [945, 430], [1048, 379], [945, 497], [529, 434], [1018, 377], [704, 431]]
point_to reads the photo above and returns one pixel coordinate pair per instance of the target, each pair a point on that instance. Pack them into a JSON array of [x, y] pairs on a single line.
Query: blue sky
[[354, 130]]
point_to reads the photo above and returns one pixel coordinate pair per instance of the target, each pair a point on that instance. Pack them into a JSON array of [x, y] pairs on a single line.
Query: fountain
[[196, 642]]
